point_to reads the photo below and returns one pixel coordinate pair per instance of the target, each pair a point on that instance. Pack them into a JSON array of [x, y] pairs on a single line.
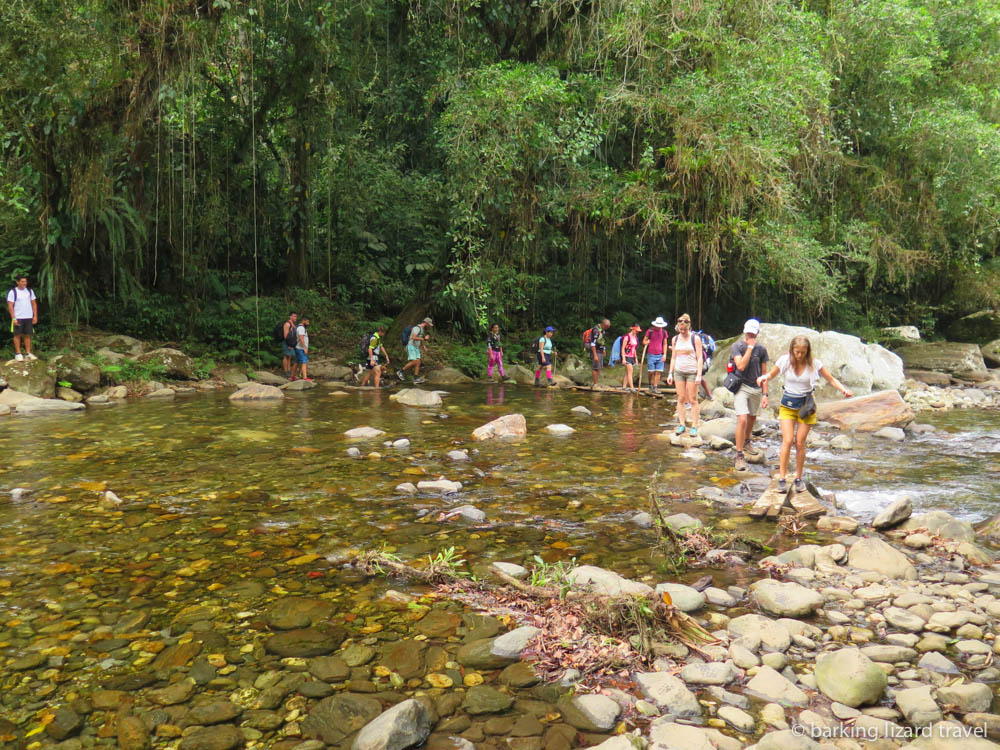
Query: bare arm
[[744, 359], [828, 377], [10, 309], [773, 373], [34, 311]]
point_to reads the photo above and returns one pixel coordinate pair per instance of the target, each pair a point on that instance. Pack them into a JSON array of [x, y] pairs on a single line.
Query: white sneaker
[[19, 357], [32, 356]]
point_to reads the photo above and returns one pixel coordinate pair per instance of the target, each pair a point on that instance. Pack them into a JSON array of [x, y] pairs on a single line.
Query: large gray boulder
[[26, 404], [82, 374], [176, 364], [31, 376], [878, 556], [404, 725], [327, 369], [977, 328], [960, 360], [447, 376], [861, 367], [416, 397], [125, 345]]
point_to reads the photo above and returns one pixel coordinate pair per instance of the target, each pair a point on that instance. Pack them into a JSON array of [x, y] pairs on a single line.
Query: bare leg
[[693, 405], [800, 449], [17, 344], [378, 374], [27, 344], [681, 389], [742, 430], [787, 438]]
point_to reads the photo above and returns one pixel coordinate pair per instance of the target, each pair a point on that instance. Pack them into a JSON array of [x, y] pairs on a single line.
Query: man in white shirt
[[300, 371], [23, 308]]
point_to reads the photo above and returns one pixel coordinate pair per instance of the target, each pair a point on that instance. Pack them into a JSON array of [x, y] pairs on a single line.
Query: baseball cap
[[752, 326], [549, 328]]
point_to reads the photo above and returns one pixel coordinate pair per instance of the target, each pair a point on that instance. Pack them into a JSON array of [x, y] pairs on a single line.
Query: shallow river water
[[227, 507]]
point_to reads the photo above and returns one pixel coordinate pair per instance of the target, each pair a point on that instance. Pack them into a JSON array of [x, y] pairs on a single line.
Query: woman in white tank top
[[685, 370], [801, 372]]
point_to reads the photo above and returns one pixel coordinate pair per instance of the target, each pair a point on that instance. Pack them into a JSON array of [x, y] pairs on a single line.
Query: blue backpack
[[406, 335]]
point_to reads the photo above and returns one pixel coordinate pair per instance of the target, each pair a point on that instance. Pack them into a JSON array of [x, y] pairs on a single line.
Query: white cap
[[752, 326]]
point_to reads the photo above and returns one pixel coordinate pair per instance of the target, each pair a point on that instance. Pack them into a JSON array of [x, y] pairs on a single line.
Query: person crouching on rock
[[801, 372]]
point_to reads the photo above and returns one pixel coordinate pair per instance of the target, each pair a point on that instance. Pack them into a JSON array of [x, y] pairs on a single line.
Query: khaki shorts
[[684, 377], [747, 400]]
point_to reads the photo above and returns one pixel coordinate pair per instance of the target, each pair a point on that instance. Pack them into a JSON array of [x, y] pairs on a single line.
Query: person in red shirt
[[655, 340]]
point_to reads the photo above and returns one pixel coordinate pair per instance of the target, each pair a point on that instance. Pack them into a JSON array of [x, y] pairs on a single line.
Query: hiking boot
[[782, 485], [550, 384], [538, 382], [800, 486], [741, 463], [19, 357]]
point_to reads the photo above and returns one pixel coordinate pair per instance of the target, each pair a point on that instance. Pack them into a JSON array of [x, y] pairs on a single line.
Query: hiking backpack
[[406, 335], [586, 338], [291, 338], [707, 345], [363, 344]]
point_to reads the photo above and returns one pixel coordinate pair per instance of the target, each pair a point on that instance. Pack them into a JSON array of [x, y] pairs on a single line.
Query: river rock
[[507, 427], [943, 524], [298, 385], [786, 599], [670, 693], [293, 612], [406, 488], [364, 433], [447, 376], [896, 512], [991, 353], [257, 392], [124, 345], [404, 725], [773, 686], [970, 697], [511, 644], [512, 569], [220, 737], [478, 654], [404, 443], [787, 739], [866, 413], [875, 555], [724, 428], [559, 429], [417, 397], [590, 713], [29, 376], [849, 677], [668, 735], [979, 327], [605, 582], [682, 522], [336, 718], [65, 723], [329, 669], [685, 598], [132, 733], [918, 705], [176, 364], [960, 360], [440, 485], [303, 642], [709, 673], [215, 712], [458, 455], [895, 434], [172, 694], [861, 367], [483, 699], [902, 333], [79, 372], [268, 378], [772, 635], [842, 443], [583, 411], [68, 394]]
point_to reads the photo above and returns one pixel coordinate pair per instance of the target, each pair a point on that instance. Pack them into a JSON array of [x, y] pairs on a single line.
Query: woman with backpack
[[544, 353], [630, 347], [801, 372], [494, 352], [686, 360]]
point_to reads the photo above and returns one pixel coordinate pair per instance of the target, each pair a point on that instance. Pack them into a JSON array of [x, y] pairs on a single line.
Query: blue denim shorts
[[654, 363], [301, 357]]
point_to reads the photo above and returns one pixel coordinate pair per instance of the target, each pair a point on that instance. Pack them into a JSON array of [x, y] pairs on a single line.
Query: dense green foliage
[[167, 164]]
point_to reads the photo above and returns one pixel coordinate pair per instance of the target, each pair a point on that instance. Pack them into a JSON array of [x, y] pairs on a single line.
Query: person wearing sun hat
[[656, 342], [749, 358], [544, 350]]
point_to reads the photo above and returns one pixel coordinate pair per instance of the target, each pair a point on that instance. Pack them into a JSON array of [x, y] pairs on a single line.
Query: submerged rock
[[559, 429], [334, 719], [364, 433], [416, 397]]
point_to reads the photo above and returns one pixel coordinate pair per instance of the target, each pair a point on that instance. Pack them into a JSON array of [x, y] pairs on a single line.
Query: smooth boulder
[[363, 433], [82, 374], [849, 677], [257, 392], [868, 413], [176, 364], [30, 376], [895, 513], [505, 427], [605, 582], [786, 599], [26, 404], [416, 397], [404, 725], [960, 360], [878, 556]]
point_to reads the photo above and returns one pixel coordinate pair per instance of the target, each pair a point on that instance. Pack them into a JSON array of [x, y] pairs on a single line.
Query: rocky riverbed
[[154, 597]]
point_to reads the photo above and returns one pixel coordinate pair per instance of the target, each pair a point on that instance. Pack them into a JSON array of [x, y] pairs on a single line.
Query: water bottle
[[729, 366]]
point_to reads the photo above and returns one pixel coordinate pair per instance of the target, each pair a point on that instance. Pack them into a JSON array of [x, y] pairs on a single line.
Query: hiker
[[801, 374], [494, 351], [418, 333], [373, 357], [284, 333], [300, 371], [749, 359], [23, 308], [656, 342], [593, 340], [630, 346], [544, 354], [686, 360]]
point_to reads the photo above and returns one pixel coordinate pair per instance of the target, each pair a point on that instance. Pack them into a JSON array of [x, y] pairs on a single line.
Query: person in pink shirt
[[656, 340], [630, 346]]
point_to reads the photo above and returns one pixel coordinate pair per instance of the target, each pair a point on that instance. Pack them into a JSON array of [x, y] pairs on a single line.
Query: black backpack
[[278, 334], [406, 335], [363, 343], [292, 338]]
